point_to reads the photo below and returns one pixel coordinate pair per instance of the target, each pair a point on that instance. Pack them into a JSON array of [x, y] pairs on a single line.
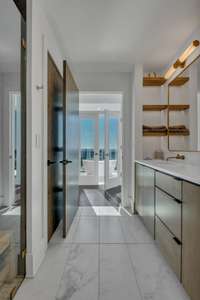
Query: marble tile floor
[[108, 255]]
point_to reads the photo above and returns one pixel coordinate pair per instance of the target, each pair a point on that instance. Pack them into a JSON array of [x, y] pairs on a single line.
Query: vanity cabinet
[[171, 205], [191, 240], [145, 202]]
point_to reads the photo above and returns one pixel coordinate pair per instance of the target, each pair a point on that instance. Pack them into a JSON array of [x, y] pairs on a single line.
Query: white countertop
[[178, 169]]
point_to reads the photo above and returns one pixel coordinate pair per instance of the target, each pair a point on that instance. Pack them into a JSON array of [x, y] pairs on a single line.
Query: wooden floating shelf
[[154, 107], [153, 81], [178, 133], [174, 107], [179, 81], [159, 107], [155, 133], [165, 134]]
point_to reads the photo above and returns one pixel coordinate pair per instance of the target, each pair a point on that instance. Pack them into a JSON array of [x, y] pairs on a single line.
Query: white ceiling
[[10, 22], [111, 33]]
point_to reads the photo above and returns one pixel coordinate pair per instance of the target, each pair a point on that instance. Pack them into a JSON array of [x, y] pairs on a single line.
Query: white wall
[[1, 135], [40, 40], [115, 82]]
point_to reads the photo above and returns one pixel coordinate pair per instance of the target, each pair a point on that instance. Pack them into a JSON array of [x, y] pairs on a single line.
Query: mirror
[[12, 145], [184, 110]]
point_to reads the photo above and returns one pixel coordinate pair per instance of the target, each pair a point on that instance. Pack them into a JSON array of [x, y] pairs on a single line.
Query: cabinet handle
[[177, 201], [177, 240], [178, 179]]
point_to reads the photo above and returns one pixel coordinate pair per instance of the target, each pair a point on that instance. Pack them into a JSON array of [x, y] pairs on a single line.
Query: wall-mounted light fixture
[[182, 59], [170, 72]]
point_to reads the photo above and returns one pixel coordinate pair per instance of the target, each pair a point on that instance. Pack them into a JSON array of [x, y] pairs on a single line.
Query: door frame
[[116, 181], [11, 146], [112, 182], [94, 180]]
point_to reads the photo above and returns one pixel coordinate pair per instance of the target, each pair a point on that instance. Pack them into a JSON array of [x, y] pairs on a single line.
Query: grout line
[[99, 257], [103, 243], [132, 266]]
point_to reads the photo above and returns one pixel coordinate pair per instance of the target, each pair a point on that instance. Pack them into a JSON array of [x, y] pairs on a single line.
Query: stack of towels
[[154, 129], [176, 129], [179, 129]]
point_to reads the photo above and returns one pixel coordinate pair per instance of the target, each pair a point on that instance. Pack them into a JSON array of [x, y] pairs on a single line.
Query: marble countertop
[[178, 169]]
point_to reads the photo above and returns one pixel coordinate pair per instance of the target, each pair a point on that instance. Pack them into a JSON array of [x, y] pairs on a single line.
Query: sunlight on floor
[[106, 211], [16, 211]]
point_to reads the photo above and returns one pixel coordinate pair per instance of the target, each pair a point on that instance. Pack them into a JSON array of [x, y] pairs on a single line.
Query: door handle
[[65, 162], [50, 162]]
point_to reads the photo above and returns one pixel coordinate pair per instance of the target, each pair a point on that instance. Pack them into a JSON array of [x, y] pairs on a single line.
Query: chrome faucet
[[178, 156]]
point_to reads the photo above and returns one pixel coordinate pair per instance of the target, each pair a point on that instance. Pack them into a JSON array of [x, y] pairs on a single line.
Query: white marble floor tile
[[117, 279], [107, 255], [155, 278], [89, 211], [108, 211], [96, 197], [111, 230], [80, 277], [134, 230], [45, 285], [87, 230]]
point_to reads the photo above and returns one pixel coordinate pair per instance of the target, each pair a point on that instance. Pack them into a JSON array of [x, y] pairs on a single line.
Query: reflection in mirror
[[184, 110], [11, 258]]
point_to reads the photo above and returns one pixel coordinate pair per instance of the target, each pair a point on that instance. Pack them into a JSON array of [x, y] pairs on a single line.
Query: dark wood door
[[55, 147], [71, 147]]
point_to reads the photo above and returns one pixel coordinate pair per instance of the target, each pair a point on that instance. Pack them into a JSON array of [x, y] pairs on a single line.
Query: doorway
[[15, 147], [55, 147], [101, 144]]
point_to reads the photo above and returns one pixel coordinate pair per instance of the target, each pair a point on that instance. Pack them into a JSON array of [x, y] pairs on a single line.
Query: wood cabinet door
[[139, 188], [168, 246], [145, 198], [169, 210], [148, 213], [191, 240]]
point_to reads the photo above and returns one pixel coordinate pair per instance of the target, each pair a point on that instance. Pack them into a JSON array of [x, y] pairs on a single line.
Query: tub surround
[[183, 170]]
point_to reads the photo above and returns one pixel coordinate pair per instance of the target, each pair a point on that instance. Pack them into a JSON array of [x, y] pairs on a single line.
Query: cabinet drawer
[[169, 247], [169, 184], [168, 209]]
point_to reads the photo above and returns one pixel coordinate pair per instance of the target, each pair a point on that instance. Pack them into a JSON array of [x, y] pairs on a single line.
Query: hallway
[[107, 255]]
